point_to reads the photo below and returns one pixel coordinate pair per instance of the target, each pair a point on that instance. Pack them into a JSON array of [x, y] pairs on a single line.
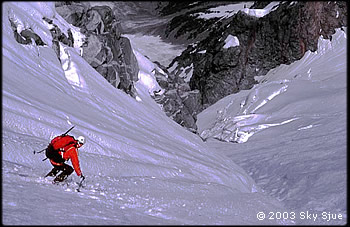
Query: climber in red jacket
[[59, 157]]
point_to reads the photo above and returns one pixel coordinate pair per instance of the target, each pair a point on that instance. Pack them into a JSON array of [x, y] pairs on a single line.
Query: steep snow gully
[[143, 168]]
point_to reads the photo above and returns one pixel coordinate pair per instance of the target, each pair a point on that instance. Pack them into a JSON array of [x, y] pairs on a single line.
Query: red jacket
[[71, 152]]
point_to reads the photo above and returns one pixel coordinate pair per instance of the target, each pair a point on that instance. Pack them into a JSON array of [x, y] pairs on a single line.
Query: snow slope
[[154, 48], [289, 132], [140, 166]]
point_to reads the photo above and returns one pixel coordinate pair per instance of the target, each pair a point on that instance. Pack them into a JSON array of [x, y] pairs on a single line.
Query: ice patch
[[70, 68], [186, 73], [231, 41], [306, 127], [262, 12], [93, 197], [231, 9], [149, 81], [146, 75]]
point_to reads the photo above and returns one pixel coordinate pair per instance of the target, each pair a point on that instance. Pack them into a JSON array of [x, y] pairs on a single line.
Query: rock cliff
[[105, 49], [280, 37]]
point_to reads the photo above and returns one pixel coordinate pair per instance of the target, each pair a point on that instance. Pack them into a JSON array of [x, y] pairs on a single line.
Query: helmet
[[81, 139]]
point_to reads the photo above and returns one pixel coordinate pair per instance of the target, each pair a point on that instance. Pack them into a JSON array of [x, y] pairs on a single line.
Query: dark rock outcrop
[[177, 100], [104, 48], [26, 36], [281, 37]]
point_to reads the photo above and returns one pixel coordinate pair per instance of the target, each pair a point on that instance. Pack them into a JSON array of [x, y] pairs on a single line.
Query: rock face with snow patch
[[184, 27], [280, 37], [225, 53], [105, 49]]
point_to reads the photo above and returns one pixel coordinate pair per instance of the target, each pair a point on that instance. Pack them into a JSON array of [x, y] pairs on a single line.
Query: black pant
[[66, 171]]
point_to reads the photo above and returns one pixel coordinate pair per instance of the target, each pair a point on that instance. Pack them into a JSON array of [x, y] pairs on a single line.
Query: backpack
[[57, 144]]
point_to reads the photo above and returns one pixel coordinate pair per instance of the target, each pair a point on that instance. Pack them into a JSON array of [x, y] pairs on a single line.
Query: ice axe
[[80, 183], [68, 131]]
